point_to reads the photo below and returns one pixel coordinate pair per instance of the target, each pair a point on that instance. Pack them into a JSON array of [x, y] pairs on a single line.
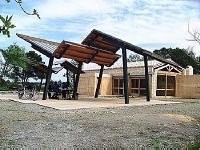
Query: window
[[118, 86], [138, 86]]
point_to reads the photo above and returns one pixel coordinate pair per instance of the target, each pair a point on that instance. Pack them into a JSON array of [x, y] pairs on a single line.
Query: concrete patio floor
[[86, 102]]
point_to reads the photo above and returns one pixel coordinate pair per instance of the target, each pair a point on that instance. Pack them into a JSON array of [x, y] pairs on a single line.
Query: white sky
[[150, 24]]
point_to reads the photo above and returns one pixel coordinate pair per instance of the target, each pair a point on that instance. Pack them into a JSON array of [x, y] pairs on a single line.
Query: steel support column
[[99, 82], [125, 76], [146, 78], [77, 80], [48, 78]]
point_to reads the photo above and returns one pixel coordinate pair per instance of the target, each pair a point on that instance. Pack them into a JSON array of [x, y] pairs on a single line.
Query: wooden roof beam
[[129, 46], [71, 67], [84, 53]]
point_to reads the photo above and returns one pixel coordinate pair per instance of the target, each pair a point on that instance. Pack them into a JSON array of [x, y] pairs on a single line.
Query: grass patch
[[9, 144], [156, 143], [193, 145]]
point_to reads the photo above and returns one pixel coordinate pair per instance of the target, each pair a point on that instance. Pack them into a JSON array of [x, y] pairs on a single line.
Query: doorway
[[165, 85]]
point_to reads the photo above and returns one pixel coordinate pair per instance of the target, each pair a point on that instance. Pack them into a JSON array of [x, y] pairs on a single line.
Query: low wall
[[188, 86]]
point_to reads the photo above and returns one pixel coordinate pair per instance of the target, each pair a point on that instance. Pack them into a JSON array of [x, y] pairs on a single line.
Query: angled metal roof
[[102, 40], [41, 45], [75, 51]]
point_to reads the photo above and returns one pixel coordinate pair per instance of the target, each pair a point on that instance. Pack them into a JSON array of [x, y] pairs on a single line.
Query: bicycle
[[22, 93], [33, 94], [26, 93]]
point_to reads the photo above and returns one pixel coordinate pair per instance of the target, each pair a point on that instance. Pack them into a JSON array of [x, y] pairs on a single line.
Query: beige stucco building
[[164, 80]]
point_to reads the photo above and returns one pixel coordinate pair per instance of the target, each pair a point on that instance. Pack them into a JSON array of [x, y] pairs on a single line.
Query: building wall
[[106, 85], [87, 84], [88, 81], [188, 86]]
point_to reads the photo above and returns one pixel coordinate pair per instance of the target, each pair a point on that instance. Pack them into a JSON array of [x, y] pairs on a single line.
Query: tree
[[34, 58], [15, 62], [163, 52], [134, 58], [184, 57], [18, 64], [6, 21]]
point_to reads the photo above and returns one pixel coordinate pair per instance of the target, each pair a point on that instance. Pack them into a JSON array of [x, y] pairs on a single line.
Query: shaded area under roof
[[102, 40], [43, 46], [83, 53], [70, 67]]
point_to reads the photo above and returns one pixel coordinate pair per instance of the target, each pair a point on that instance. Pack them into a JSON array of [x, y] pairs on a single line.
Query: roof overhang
[[102, 40], [43, 46], [83, 53], [71, 50]]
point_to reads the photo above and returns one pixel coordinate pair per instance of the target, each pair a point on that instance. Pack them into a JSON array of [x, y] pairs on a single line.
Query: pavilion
[[97, 47]]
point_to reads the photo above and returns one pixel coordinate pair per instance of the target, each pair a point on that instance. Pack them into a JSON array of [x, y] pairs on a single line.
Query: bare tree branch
[[19, 2], [195, 34]]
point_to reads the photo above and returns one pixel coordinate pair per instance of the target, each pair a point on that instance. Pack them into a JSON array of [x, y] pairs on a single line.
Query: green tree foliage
[[7, 25], [18, 64], [6, 21], [15, 56], [181, 56], [15, 62], [134, 58], [34, 58]]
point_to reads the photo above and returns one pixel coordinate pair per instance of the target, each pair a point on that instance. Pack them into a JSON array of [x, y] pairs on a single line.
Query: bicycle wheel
[[28, 94], [20, 94], [36, 95]]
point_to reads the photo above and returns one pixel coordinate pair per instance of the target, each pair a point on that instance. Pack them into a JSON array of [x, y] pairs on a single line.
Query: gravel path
[[34, 126]]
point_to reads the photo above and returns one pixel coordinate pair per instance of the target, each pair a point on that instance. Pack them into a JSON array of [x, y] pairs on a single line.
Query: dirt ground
[[35, 126]]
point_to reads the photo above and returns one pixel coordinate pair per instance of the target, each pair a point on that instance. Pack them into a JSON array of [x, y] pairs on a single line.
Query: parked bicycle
[[27, 92]]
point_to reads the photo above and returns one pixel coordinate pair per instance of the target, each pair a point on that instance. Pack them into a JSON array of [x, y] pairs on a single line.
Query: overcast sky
[[150, 24]]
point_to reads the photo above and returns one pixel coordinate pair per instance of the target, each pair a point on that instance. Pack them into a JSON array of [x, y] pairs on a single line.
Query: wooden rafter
[[170, 68], [105, 41], [83, 53]]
